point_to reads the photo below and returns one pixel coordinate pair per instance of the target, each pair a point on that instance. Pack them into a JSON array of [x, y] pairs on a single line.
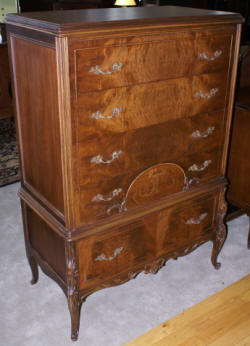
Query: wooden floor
[[221, 320]]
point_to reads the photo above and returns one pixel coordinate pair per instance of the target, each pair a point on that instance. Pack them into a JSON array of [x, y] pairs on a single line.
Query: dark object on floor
[[9, 165], [239, 163]]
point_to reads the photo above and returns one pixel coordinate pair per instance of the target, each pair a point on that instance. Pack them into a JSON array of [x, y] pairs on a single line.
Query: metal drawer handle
[[216, 55], [98, 70], [205, 134], [99, 197], [103, 257], [197, 221], [195, 168], [98, 115], [99, 159], [201, 95]]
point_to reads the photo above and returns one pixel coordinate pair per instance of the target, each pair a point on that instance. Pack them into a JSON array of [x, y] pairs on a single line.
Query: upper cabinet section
[[64, 22]]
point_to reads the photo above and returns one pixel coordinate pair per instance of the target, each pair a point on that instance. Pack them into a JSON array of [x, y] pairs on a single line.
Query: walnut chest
[[123, 119]]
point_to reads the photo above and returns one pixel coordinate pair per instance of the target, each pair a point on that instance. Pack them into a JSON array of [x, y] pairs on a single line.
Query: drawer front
[[113, 154], [117, 251], [102, 196], [102, 257], [186, 225], [123, 65], [123, 109]]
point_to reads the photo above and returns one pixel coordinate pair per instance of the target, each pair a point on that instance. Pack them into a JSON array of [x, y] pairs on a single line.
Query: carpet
[[9, 165], [38, 315]]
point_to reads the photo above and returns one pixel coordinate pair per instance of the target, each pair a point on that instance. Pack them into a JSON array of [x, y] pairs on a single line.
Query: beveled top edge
[[58, 22]]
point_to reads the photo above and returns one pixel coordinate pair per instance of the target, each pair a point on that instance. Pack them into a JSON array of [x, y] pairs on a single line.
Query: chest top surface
[[69, 21]]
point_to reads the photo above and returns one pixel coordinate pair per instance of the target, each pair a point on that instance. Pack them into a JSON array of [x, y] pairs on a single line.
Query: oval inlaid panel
[[154, 183]]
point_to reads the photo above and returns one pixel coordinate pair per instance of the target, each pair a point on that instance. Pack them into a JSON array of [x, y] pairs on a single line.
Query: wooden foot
[[218, 243], [74, 309], [34, 269]]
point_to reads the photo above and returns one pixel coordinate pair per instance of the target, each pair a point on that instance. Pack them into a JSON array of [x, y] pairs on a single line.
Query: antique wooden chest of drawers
[[123, 122]]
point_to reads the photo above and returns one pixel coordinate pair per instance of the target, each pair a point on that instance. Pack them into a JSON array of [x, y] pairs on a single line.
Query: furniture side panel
[[35, 84], [47, 243]]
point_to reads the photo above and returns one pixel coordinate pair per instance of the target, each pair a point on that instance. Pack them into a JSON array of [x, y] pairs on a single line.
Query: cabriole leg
[[72, 288], [31, 259], [221, 231]]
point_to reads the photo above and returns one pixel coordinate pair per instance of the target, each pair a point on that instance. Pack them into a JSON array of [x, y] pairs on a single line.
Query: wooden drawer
[[186, 224], [102, 196], [113, 154], [129, 108], [103, 256], [107, 67]]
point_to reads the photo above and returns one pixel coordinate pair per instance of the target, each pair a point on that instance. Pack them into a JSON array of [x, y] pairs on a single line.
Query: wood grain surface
[[222, 319]]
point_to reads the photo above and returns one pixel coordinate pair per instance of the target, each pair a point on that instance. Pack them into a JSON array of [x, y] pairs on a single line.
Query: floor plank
[[222, 319]]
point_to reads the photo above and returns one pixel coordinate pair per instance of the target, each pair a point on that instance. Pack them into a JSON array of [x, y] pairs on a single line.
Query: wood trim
[[38, 37], [43, 213], [90, 19], [43, 200], [231, 96], [65, 126]]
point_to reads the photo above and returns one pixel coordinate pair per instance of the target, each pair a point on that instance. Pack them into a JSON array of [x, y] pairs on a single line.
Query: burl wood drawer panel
[[102, 195], [103, 256], [128, 108], [111, 154], [101, 68]]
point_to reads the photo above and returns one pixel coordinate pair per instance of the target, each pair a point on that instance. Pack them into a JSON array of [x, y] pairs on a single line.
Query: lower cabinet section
[[120, 250]]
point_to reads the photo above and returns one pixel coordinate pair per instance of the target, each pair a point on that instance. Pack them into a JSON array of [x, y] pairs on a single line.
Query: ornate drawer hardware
[[103, 257], [216, 55], [189, 182], [99, 159], [98, 115], [197, 221], [98, 70], [99, 197], [119, 206], [195, 168], [201, 95], [205, 134]]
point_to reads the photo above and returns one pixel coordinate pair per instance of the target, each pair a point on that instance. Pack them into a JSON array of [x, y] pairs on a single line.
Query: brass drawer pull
[[195, 168], [197, 221], [98, 115], [201, 95], [216, 55], [98, 70], [99, 197], [103, 257], [205, 134], [99, 159]]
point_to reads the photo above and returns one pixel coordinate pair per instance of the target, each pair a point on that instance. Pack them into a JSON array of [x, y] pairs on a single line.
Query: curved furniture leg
[[218, 243], [34, 269], [73, 290], [74, 309], [221, 231]]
